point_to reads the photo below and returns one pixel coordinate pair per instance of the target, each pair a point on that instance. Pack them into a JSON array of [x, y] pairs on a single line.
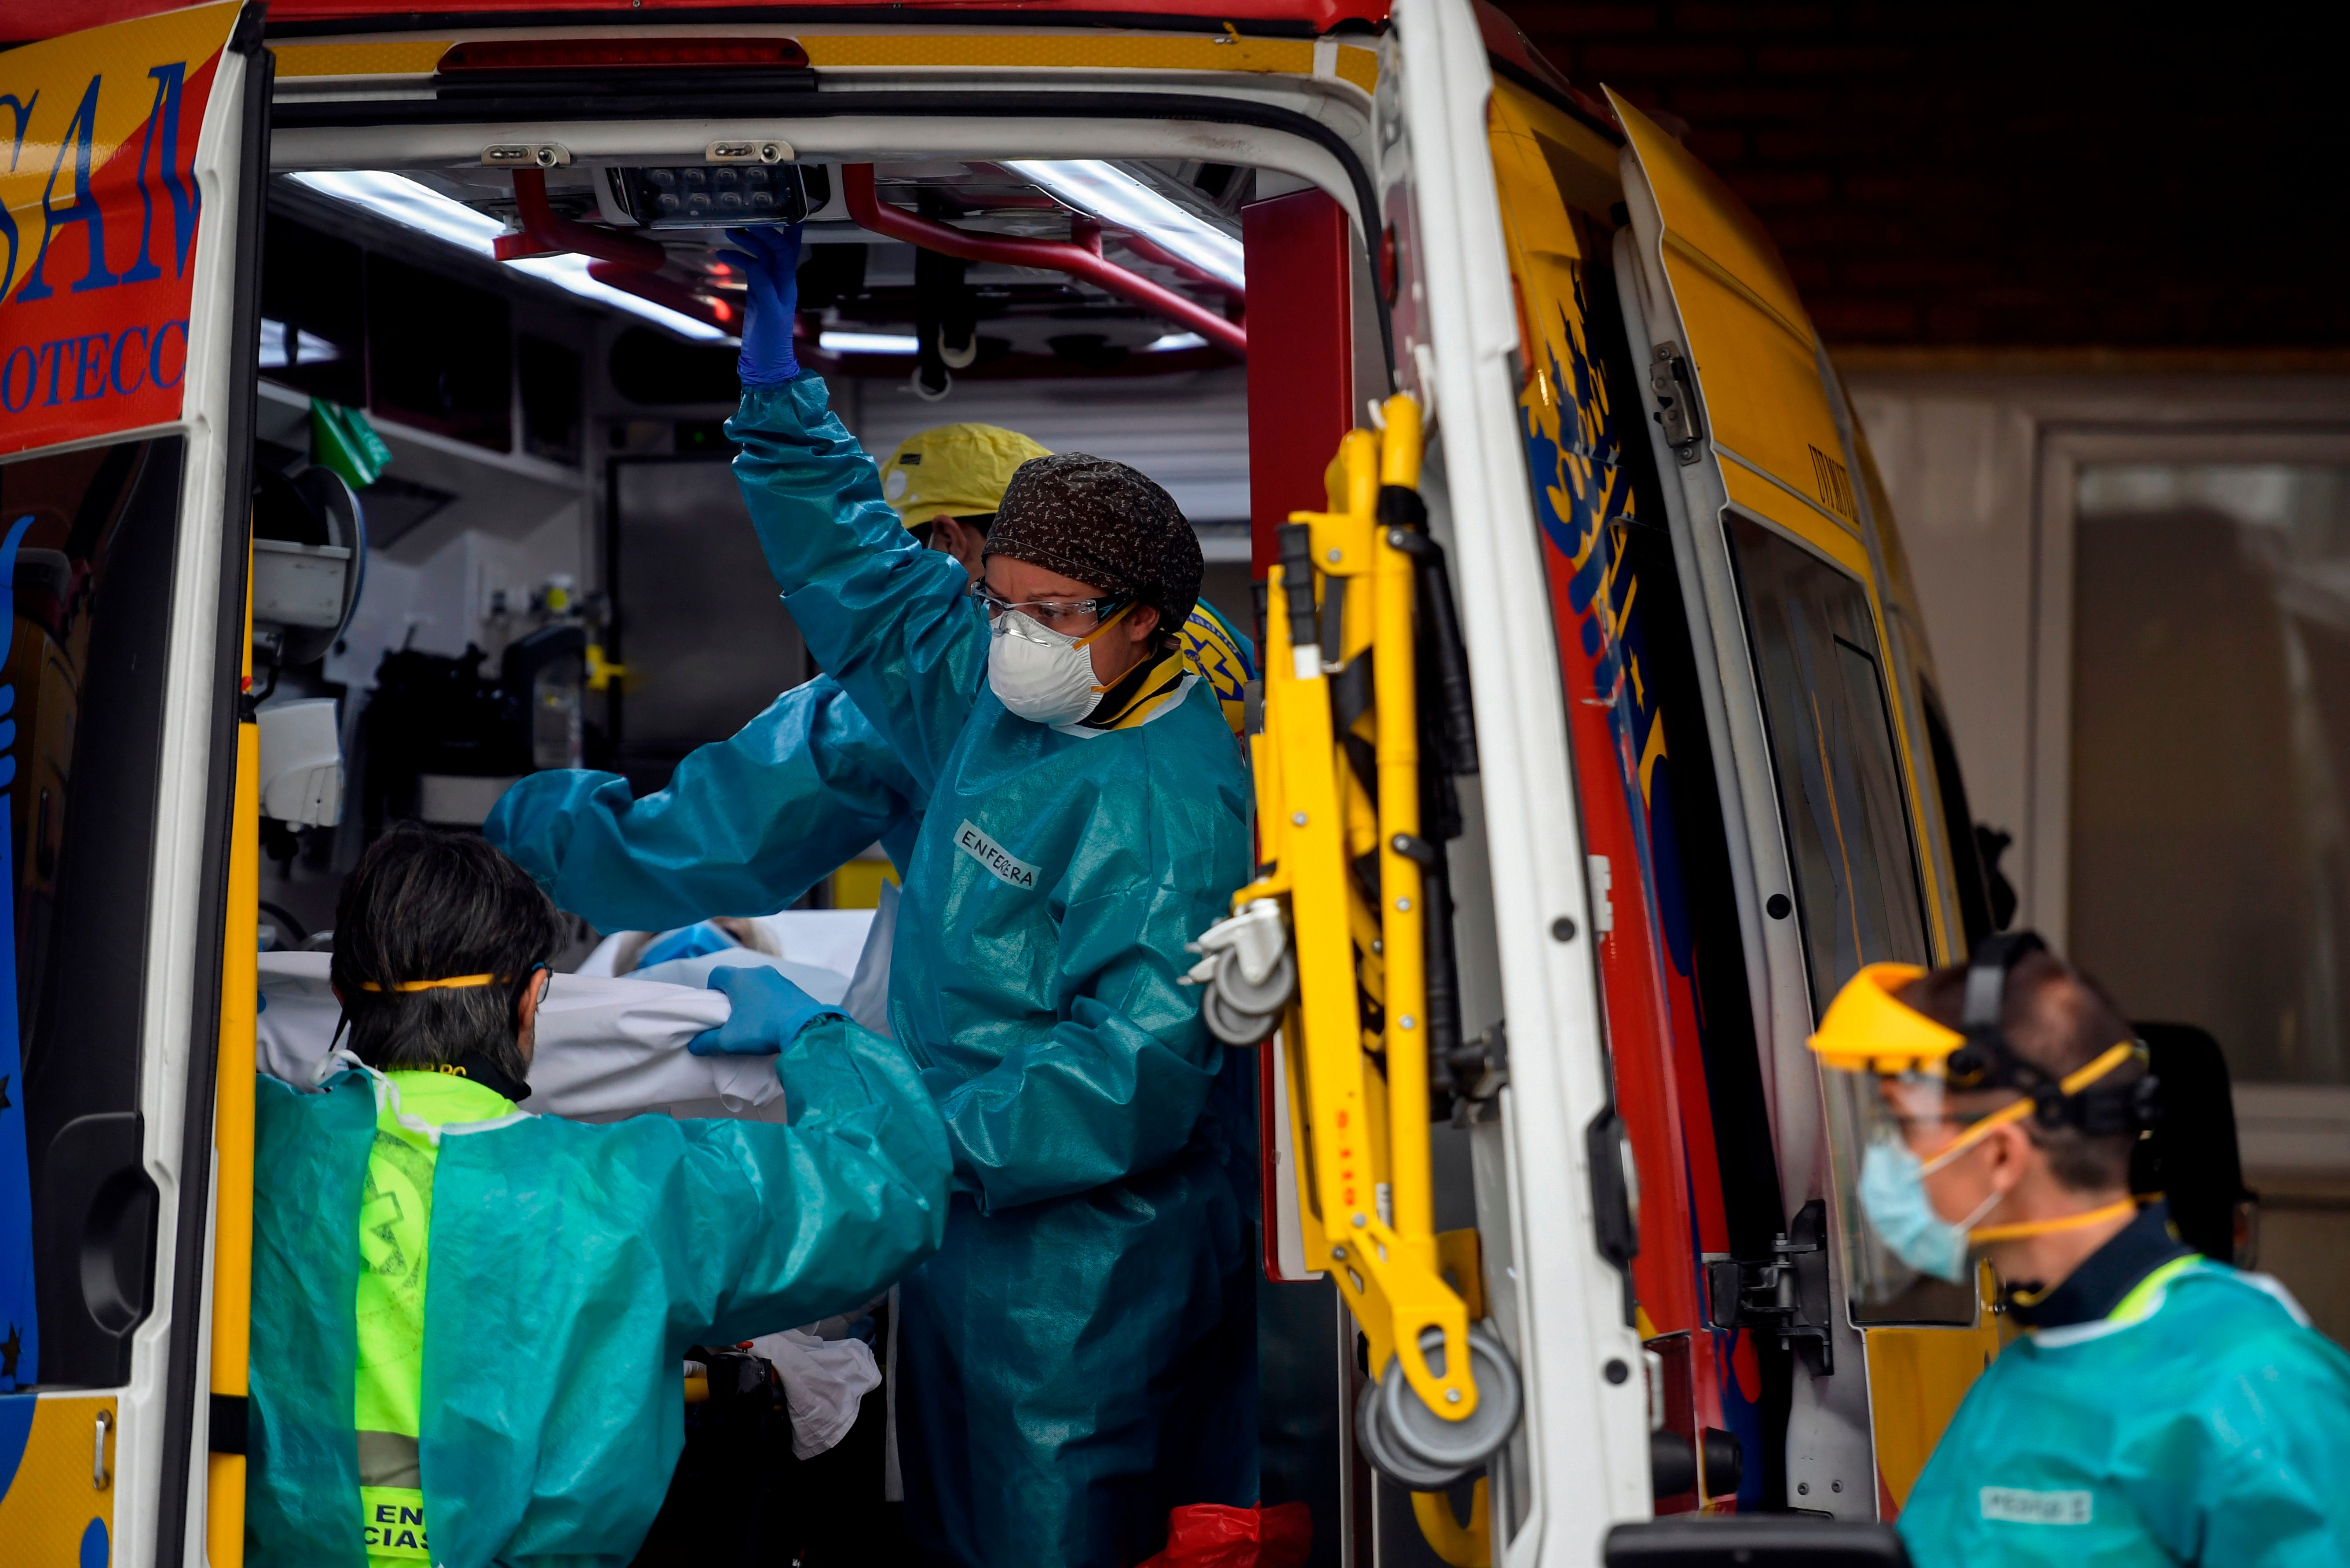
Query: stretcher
[[1343, 942]]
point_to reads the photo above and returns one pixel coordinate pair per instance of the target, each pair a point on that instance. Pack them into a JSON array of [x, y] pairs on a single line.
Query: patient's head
[[425, 905]]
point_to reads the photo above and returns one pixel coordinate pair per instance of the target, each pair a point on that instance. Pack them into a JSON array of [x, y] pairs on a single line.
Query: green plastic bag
[[341, 439]]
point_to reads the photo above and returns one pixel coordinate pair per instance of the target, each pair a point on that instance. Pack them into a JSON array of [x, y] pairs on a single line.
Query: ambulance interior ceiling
[[553, 417]]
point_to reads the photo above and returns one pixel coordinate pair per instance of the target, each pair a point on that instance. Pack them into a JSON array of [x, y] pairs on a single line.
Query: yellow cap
[[1868, 1029], [958, 470]]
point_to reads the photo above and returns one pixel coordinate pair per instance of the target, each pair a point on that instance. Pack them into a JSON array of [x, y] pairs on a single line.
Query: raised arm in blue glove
[[770, 260], [769, 1014]]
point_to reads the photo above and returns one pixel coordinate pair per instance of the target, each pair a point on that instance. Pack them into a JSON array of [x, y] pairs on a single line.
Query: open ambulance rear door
[[131, 158], [1580, 1462]]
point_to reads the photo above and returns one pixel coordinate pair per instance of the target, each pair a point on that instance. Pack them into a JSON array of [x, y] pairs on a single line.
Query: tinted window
[[695, 614], [314, 331], [1840, 793], [85, 539], [1841, 799], [551, 377]]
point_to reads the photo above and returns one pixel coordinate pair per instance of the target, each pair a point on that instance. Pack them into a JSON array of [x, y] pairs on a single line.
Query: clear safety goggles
[[1069, 618]]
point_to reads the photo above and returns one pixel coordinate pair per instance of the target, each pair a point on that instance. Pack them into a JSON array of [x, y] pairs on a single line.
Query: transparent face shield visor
[[1889, 1132], [1891, 1124]]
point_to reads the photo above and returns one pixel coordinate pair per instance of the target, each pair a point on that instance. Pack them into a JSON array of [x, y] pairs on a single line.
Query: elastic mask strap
[[337, 1059], [1981, 1211], [2072, 1084], [455, 983], [2023, 1228]]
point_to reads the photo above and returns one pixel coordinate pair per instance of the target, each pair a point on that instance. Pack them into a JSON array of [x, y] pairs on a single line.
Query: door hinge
[[1675, 394], [1785, 1293]]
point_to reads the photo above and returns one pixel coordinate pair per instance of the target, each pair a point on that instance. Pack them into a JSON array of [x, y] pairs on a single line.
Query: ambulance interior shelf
[[455, 484], [302, 562], [1344, 942]]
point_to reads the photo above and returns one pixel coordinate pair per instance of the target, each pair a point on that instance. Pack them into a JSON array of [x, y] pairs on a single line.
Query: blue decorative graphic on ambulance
[[1584, 503], [19, 1323]]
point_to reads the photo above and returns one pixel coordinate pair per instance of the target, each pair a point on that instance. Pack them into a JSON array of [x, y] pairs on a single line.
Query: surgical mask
[[1040, 674], [1893, 1195]]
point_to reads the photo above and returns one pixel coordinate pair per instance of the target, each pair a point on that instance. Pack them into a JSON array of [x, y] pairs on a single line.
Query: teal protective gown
[[746, 825], [570, 1268], [2203, 1422], [1079, 1357]]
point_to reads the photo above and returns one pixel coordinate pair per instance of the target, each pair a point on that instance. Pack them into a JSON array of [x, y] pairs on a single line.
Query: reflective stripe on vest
[[395, 1225]]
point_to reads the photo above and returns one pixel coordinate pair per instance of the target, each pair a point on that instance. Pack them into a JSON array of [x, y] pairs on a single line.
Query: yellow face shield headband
[[2070, 1085], [1868, 1029]]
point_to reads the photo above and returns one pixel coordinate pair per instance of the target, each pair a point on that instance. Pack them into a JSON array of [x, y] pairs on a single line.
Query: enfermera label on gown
[[2019, 1505], [1001, 863]]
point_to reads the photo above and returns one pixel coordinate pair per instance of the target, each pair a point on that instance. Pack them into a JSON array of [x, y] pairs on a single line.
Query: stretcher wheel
[[1420, 1437], [1373, 1438], [1230, 1026], [1269, 995]]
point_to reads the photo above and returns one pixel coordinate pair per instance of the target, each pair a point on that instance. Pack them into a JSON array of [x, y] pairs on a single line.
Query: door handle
[[98, 1216]]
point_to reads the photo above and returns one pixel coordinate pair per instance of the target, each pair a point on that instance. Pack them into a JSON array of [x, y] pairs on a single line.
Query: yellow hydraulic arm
[[1365, 1141], [1343, 894]]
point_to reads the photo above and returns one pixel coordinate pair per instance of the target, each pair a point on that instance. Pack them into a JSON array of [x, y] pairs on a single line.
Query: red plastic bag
[[1210, 1535]]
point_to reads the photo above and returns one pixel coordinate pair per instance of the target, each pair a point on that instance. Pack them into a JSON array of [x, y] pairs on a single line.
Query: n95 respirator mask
[[1040, 674]]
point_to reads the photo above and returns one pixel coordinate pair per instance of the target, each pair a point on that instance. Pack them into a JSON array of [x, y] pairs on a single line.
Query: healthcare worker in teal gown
[[469, 1322], [2160, 1408], [748, 824], [1078, 1357]]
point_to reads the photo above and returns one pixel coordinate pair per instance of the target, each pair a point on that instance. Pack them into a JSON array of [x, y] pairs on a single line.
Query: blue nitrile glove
[[770, 260], [769, 1014], [692, 941]]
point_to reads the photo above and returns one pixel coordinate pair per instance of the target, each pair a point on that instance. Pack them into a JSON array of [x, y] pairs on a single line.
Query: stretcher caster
[[1234, 1026], [1247, 972]]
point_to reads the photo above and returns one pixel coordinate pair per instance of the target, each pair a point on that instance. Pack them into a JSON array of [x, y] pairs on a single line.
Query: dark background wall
[[1999, 175]]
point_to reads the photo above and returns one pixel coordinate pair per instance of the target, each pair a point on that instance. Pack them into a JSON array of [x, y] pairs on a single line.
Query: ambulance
[[1595, 738]]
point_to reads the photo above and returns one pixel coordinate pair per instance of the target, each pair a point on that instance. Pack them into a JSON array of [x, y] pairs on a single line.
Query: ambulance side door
[[1579, 1462], [131, 167], [1839, 865]]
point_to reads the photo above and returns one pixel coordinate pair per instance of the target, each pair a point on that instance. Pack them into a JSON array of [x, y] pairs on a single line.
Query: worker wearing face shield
[[1078, 1357], [2160, 1408]]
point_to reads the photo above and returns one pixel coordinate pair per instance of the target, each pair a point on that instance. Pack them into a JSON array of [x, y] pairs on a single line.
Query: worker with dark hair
[[473, 1318], [2160, 1407]]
